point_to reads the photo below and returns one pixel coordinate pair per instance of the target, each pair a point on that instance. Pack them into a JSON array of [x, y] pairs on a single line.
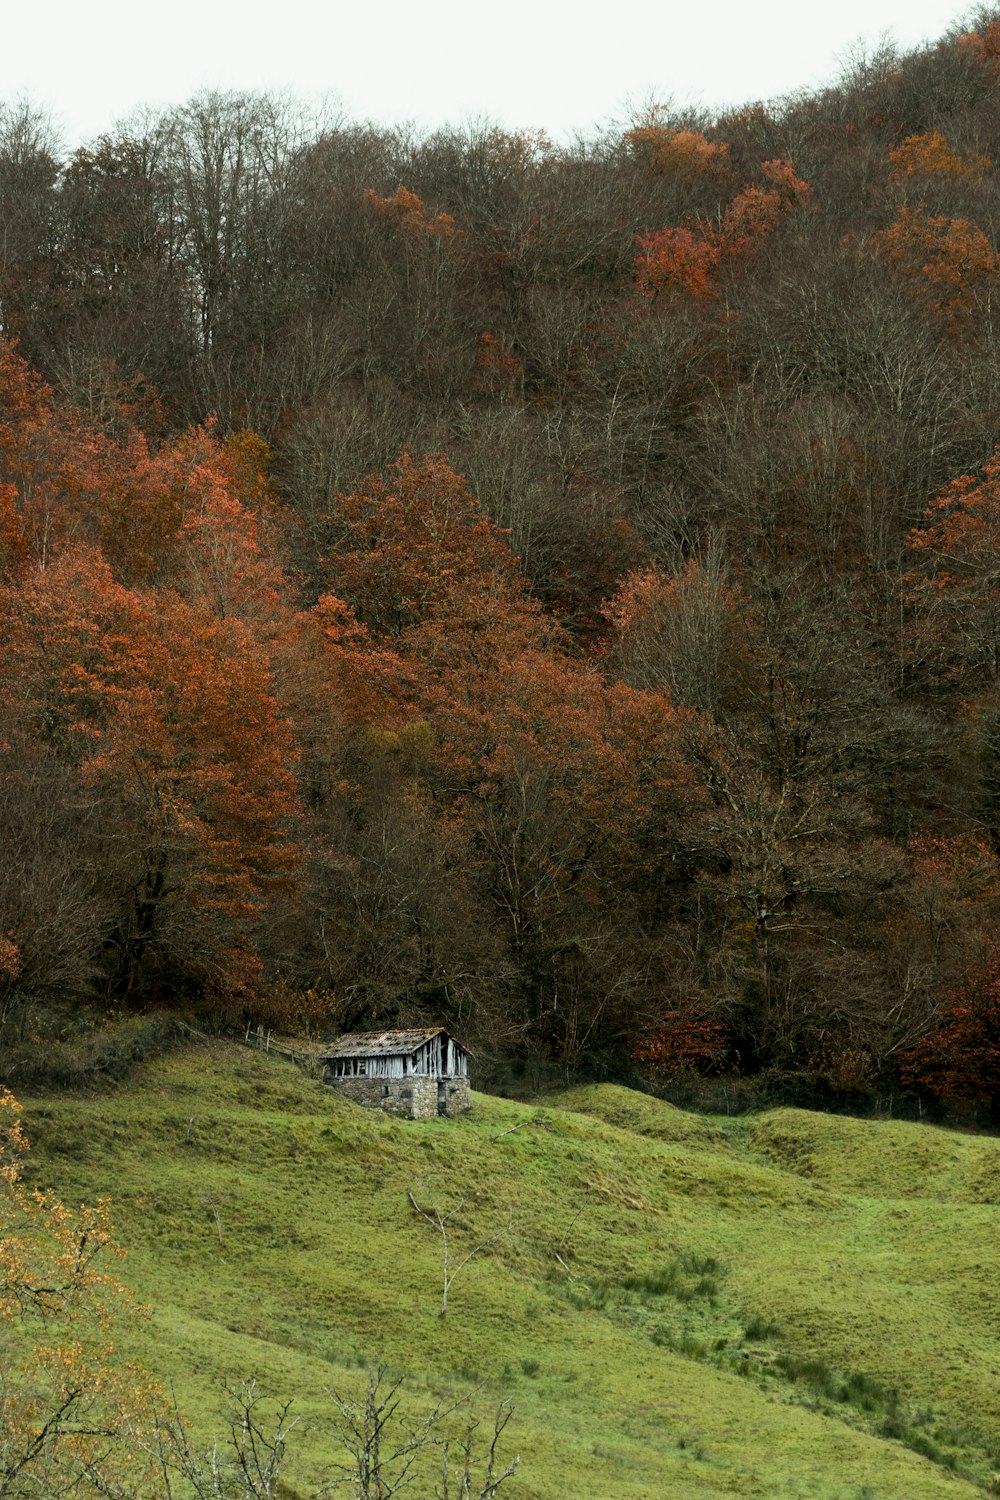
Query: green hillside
[[780, 1305]]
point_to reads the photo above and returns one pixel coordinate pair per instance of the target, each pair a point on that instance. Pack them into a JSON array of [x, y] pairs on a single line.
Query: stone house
[[417, 1074]]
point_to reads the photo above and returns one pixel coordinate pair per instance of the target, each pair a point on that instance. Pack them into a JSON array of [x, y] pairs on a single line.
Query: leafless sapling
[[445, 1223]]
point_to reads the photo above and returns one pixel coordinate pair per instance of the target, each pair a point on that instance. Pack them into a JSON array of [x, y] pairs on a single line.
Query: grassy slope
[[870, 1248]]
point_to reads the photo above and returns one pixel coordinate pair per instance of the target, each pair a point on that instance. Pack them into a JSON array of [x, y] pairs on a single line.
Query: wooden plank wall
[[437, 1058]]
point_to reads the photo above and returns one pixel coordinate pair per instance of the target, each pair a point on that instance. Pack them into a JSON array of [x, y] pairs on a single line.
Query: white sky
[[524, 63]]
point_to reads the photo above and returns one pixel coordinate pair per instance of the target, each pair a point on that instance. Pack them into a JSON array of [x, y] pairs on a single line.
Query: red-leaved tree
[[959, 1062]]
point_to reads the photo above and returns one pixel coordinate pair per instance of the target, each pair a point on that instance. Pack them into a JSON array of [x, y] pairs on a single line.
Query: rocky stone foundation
[[458, 1096], [413, 1098]]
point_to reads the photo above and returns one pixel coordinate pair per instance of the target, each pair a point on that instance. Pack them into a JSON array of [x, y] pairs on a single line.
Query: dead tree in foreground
[[387, 1452], [384, 1447]]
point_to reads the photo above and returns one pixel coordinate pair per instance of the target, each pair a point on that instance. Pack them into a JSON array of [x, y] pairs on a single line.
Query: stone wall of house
[[459, 1097], [413, 1098]]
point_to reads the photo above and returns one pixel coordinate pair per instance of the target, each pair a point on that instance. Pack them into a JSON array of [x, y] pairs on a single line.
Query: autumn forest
[[552, 592]]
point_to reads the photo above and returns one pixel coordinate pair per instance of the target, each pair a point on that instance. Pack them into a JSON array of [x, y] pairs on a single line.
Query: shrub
[[90, 1056]]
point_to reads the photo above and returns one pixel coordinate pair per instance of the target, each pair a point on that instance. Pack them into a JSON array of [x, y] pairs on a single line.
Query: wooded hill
[[547, 591]]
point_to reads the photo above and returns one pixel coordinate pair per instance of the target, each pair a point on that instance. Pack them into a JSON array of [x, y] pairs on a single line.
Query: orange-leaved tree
[[929, 155], [407, 210], [950, 266], [542, 788], [571, 793], [67, 1415], [682, 154], [684, 1039], [689, 258], [954, 588], [47, 467], [679, 259], [959, 1061], [985, 44], [427, 571], [756, 211], [683, 632], [166, 718], [499, 371], [195, 512]]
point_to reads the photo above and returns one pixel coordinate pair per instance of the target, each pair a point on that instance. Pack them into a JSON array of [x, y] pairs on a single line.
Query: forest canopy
[[554, 592]]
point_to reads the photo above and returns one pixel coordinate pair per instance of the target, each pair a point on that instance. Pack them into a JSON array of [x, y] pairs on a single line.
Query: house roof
[[386, 1043]]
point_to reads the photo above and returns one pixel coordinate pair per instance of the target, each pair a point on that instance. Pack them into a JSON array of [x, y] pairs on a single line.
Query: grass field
[[779, 1305]]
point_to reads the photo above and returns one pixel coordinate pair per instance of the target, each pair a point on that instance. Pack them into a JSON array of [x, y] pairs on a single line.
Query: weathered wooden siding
[[370, 1067], [456, 1062], [438, 1057]]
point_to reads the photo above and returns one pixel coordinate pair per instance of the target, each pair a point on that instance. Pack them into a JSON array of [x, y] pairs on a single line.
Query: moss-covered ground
[[781, 1305]]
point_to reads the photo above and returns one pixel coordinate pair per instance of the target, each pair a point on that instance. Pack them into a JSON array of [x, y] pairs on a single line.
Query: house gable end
[[394, 1070]]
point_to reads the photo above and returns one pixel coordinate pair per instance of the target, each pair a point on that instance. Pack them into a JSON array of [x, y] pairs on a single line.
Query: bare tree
[[248, 1467], [383, 1449], [487, 1486], [445, 1224], [385, 1446]]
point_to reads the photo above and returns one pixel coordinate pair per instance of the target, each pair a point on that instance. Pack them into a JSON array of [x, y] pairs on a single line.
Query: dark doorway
[[442, 1097]]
